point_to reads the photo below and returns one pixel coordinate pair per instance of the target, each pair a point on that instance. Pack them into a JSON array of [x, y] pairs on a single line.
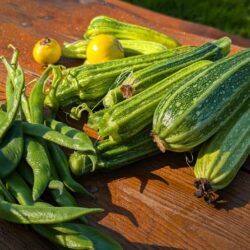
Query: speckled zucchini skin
[[122, 30], [221, 157], [199, 109], [127, 118], [90, 82], [112, 155], [146, 77]]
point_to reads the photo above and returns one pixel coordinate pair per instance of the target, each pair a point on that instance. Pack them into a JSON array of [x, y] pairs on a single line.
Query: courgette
[[78, 49], [112, 155], [127, 118], [90, 82], [142, 79], [220, 158], [122, 30], [196, 111]]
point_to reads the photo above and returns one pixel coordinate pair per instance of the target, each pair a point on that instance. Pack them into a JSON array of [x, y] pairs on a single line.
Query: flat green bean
[[37, 96], [17, 77], [100, 240], [60, 194], [36, 156], [71, 241], [5, 193], [9, 90], [11, 149], [56, 137], [41, 215], [62, 166]]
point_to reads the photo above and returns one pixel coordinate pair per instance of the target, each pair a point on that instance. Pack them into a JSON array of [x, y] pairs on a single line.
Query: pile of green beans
[[32, 162]]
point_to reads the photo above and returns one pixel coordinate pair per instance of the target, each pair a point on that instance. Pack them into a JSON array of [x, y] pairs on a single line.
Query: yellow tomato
[[103, 48], [47, 51]]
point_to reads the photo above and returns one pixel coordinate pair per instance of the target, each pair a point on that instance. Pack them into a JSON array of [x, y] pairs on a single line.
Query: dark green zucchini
[[196, 111], [221, 157], [142, 79], [112, 155], [127, 118]]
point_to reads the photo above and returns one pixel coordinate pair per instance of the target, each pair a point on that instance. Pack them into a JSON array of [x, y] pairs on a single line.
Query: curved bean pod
[[17, 77], [35, 155], [37, 96], [62, 166], [58, 138], [11, 149], [100, 240], [41, 215]]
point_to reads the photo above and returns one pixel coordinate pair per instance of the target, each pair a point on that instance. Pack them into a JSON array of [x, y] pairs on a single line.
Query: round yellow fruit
[[47, 51], [104, 48]]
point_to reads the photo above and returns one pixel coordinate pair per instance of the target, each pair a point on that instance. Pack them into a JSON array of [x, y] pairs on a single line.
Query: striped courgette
[[146, 77], [127, 118], [112, 155], [90, 82], [122, 30], [78, 49], [195, 112], [220, 158]]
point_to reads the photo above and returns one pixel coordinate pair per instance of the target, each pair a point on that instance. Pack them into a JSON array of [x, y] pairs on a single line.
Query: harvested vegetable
[[125, 119], [196, 111], [104, 48], [78, 48], [47, 51], [221, 157], [89, 83], [142, 79], [122, 30]]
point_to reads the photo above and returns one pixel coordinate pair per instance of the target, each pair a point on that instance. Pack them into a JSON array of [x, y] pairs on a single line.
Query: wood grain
[[150, 204]]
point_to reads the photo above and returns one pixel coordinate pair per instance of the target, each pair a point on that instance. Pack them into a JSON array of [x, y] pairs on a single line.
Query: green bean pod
[[100, 240], [17, 77], [11, 149], [75, 134], [61, 163], [9, 90], [19, 189], [49, 134], [36, 98], [56, 188], [36, 156], [22, 193], [25, 108], [41, 215], [5, 193], [70, 241]]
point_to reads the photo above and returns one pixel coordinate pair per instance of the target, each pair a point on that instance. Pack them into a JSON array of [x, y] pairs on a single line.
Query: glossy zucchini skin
[[127, 118], [113, 155], [142, 79], [199, 109], [122, 30], [77, 49], [90, 82], [221, 157]]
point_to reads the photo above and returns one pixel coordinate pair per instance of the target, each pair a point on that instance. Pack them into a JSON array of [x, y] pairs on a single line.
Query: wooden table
[[149, 205]]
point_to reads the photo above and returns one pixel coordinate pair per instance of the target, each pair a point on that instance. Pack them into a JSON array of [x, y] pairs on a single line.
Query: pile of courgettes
[[182, 98]]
